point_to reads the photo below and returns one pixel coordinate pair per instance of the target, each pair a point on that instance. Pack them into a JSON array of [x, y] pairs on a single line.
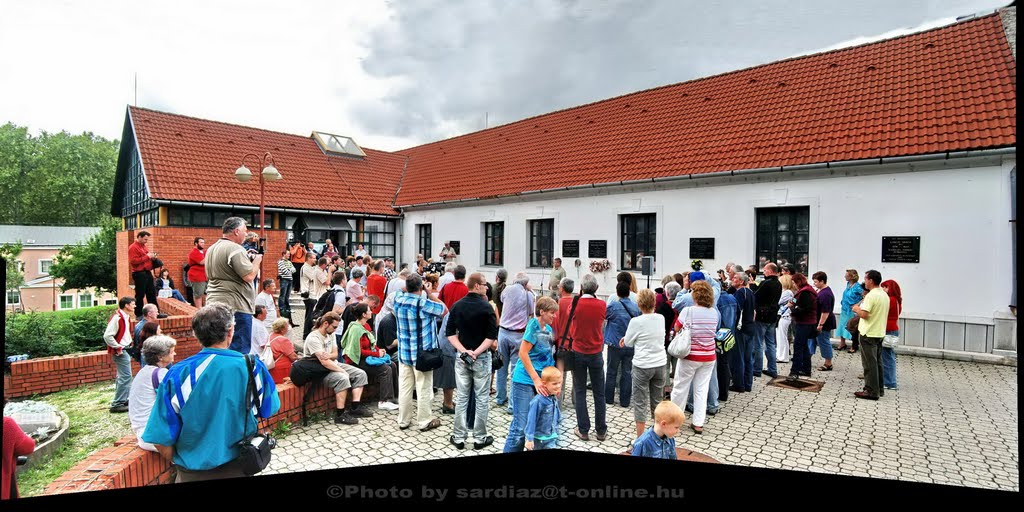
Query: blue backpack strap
[[156, 378]]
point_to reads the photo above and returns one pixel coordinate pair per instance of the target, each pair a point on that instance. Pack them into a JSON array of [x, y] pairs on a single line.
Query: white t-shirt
[[141, 398], [646, 333], [260, 338], [268, 301]]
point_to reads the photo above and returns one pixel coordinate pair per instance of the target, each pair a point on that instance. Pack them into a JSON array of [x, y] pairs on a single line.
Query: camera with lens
[[466, 358], [436, 267]]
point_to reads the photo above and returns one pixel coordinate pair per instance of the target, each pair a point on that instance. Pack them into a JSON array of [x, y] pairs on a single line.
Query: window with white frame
[[44, 267], [66, 302], [638, 234], [13, 297], [85, 300], [110, 302]]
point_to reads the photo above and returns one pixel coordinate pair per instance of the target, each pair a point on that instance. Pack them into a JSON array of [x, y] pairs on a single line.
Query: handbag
[[427, 360], [725, 340], [679, 348], [496, 361], [566, 354], [891, 340], [377, 361], [267, 356], [253, 450]]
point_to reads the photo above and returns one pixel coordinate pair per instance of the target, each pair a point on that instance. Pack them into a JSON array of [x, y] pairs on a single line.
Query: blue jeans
[[803, 335], [824, 341], [176, 295], [282, 298], [591, 365], [741, 356], [242, 340], [712, 392], [124, 379], [473, 381], [508, 347], [764, 333], [522, 394], [619, 356], [889, 365]]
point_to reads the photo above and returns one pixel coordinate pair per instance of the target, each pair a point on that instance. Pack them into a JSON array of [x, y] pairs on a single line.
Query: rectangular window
[[423, 241], [494, 243], [179, 217], [85, 300], [66, 302], [131, 222], [110, 302], [219, 217], [13, 297], [202, 218], [378, 238], [542, 242], [783, 236], [150, 218], [44, 267], [638, 235]]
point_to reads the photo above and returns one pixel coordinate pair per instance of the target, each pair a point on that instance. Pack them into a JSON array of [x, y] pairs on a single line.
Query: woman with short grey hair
[[158, 353]]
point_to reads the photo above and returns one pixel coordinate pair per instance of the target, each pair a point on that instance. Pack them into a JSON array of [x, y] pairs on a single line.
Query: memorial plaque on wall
[[702, 248], [598, 249], [455, 245], [901, 249], [570, 248]]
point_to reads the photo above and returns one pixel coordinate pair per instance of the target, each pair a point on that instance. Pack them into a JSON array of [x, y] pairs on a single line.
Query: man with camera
[[230, 274], [142, 262], [472, 329]]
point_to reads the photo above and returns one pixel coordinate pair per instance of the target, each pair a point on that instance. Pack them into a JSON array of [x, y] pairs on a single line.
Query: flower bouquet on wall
[[600, 266]]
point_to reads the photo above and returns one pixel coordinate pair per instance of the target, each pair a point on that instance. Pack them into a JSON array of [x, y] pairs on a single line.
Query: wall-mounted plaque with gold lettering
[[598, 249], [901, 249]]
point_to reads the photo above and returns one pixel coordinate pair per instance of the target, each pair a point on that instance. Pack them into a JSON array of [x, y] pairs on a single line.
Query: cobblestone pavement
[[950, 422]]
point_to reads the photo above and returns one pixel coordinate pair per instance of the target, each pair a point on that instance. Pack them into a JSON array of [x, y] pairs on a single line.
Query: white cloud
[[393, 75]]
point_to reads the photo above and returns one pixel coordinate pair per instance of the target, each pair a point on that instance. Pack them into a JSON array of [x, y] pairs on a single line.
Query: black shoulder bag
[[253, 450], [566, 354], [427, 360]]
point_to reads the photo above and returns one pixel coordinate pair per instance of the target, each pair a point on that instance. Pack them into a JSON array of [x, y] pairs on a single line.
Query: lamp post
[[268, 173]]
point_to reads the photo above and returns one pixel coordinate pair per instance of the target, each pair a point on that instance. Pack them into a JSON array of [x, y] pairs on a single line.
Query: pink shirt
[[703, 323]]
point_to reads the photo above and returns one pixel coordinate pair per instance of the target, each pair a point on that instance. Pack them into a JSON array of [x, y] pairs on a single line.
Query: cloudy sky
[[393, 74]]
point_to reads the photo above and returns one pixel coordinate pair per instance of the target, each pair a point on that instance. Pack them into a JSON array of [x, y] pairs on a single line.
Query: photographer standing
[[230, 273]]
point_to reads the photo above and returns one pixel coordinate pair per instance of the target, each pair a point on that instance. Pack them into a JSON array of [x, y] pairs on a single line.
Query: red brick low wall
[[126, 465], [52, 374]]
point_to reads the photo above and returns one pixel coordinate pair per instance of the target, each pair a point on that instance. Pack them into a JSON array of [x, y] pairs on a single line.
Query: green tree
[[55, 179], [92, 264], [10, 252]]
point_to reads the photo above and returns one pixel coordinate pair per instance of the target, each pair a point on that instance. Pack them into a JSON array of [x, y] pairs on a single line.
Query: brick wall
[[52, 374], [173, 245], [126, 465]]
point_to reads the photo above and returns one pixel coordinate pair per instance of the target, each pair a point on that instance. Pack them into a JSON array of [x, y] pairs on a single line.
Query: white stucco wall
[[960, 209]]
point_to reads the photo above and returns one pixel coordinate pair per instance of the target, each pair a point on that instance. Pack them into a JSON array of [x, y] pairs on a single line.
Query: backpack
[[324, 304]]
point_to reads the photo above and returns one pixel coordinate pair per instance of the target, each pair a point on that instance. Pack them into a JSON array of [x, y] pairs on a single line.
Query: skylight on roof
[[338, 144]]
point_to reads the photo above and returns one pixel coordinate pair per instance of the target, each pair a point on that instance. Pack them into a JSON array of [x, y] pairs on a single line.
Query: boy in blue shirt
[[542, 422], [659, 442]]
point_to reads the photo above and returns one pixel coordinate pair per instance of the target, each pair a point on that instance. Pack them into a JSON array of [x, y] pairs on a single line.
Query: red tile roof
[[947, 89], [191, 159]]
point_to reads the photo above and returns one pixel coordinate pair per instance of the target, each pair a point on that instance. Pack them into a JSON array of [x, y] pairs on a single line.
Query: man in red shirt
[[140, 259], [197, 271], [455, 290], [376, 283], [588, 346]]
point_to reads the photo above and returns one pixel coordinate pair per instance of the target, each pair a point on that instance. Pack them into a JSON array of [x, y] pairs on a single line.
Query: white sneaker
[[387, 406]]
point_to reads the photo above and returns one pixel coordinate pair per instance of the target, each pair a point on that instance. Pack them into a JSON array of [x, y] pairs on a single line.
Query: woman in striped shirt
[[696, 369]]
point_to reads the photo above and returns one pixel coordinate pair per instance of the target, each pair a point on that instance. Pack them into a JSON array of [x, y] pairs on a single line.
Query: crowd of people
[[411, 332]]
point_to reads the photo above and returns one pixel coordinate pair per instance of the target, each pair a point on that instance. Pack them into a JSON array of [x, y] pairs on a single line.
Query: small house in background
[[39, 248]]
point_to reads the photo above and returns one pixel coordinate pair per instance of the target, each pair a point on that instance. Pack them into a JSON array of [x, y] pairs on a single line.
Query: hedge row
[[58, 333]]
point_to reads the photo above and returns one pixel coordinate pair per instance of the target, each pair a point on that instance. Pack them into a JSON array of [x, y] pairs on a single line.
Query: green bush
[[43, 334]]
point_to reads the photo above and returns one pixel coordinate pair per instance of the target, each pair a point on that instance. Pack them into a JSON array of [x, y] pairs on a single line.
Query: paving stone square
[[950, 422]]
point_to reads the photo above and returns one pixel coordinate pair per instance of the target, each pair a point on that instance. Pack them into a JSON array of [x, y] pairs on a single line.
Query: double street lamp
[[268, 173]]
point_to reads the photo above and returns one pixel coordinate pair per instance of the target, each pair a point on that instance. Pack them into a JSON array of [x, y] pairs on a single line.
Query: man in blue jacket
[[202, 409]]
